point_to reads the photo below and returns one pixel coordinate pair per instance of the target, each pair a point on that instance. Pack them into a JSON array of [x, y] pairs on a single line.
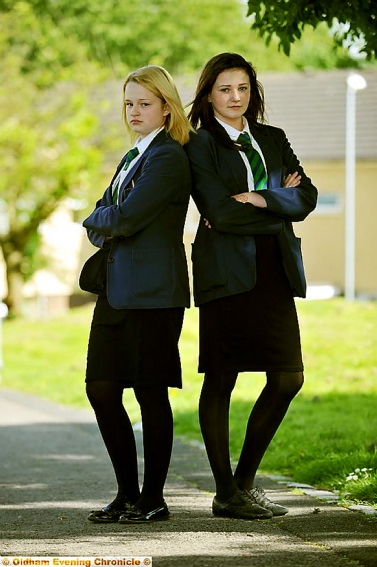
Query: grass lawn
[[329, 432]]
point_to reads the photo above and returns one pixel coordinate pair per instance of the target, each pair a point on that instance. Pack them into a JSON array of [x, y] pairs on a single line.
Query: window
[[328, 204]]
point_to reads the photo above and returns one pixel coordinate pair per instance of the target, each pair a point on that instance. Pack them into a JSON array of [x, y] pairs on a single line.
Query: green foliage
[[46, 138], [316, 50], [45, 152], [178, 35], [330, 428], [52, 37], [359, 484], [287, 19], [37, 46]]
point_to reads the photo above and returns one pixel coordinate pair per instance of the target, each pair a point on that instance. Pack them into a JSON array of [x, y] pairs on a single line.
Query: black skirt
[[138, 347], [257, 330]]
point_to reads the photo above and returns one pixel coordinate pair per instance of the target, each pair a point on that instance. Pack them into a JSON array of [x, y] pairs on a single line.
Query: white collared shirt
[[141, 144], [233, 134]]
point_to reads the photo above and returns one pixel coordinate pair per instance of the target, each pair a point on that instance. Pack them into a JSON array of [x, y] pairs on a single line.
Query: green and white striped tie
[[255, 160]]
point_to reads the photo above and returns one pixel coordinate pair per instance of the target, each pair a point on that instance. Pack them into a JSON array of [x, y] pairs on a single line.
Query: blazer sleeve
[[290, 203], [158, 184], [97, 239], [213, 198]]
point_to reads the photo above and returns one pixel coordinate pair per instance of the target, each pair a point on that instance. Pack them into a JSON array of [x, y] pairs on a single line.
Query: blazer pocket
[[290, 246], [208, 264], [153, 272]]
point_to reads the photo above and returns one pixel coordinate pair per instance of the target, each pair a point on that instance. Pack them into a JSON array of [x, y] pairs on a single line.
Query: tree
[[353, 21], [180, 36], [46, 155], [41, 166], [123, 36]]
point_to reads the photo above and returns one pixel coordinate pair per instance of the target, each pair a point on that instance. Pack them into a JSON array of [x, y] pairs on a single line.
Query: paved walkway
[[54, 469]]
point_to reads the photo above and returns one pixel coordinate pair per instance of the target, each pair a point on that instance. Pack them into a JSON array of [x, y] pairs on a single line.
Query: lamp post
[[355, 83]]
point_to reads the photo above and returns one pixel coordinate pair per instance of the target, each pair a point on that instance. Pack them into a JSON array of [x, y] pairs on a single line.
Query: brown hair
[[201, 112]]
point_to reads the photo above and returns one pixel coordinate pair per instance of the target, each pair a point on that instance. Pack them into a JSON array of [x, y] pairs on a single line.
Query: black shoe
[[109, 514], [135, 515], [258, 495], [240, 506]]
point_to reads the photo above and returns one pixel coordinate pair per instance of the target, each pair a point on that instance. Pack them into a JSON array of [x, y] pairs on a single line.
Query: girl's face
[[230, 96], [145, 111]]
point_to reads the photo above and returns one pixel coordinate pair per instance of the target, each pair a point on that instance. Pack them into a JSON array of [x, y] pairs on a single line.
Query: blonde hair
[[157, 80]]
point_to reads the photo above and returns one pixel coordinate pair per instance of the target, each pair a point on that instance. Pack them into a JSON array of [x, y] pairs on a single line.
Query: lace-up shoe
[[240, 506], [258, 496]]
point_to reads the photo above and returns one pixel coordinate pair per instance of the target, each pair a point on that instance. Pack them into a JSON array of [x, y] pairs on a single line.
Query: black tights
[[264, 420], [118, 436]]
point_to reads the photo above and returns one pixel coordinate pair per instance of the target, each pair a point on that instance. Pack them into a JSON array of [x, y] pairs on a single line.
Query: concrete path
[[54, 470]]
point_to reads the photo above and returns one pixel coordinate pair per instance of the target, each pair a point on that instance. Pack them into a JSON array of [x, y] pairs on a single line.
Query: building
[[311, 108]]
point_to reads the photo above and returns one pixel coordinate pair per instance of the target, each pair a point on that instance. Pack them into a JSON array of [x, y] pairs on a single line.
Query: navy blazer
[[147, 265], [224, 256]]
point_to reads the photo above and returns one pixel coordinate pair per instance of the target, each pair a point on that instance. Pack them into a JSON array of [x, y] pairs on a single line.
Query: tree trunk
[[15, 280]]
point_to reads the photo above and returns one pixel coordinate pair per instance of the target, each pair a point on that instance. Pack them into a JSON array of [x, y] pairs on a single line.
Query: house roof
[[311, 108]]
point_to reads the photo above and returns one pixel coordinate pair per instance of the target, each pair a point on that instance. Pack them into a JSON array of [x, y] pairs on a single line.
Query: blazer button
[[111, 260]]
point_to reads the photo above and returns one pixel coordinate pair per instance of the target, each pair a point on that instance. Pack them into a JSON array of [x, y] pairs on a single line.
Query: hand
[[241, 197], [292, 180], [253, 197]]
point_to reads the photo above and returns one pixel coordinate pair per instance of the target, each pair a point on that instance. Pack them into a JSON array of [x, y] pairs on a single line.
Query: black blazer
[[147, 265], [224, 256]]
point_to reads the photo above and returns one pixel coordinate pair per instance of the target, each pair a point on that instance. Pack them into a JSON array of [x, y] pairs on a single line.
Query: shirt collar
[[143, 143], [233, 133]]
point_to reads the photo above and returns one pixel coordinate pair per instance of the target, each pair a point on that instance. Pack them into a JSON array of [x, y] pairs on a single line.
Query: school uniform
[[248, 267], [137, 321]]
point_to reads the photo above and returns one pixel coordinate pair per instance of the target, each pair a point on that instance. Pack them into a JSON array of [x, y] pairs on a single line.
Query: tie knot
[[130, 155], [244, 139]]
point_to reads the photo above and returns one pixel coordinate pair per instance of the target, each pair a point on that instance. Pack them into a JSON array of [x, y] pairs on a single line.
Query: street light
[[354, 83]]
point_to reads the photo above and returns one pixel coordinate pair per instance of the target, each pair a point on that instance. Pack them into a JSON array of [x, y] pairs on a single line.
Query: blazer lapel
[[236, 166], [133, 171]]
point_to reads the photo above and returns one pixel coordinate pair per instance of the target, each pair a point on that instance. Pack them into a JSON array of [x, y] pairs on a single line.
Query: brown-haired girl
[[248, 186]]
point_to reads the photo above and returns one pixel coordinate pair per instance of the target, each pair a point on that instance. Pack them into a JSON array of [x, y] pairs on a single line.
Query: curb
[[324, 495]]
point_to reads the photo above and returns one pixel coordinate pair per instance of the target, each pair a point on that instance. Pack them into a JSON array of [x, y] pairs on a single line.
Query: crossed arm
[[253, 197]]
